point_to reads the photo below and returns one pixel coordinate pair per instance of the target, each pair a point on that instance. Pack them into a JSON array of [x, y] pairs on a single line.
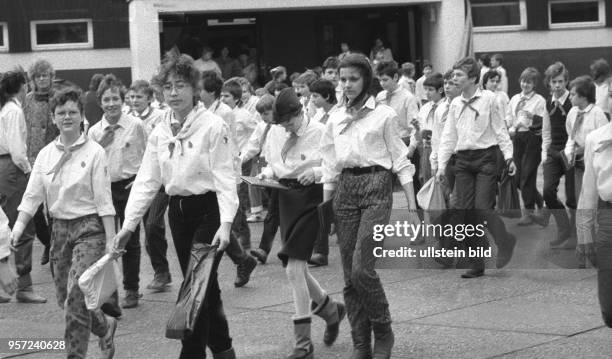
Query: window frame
[[522, 17], [601, 9], [75, 45], [5, 37]]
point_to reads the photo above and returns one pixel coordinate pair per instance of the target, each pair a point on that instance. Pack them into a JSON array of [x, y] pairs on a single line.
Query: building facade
[[128, 38]]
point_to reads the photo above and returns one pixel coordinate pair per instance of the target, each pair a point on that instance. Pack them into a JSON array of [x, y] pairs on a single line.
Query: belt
[[291, 183], [124, 182], [480, 150], [364, 170], [5, 155]]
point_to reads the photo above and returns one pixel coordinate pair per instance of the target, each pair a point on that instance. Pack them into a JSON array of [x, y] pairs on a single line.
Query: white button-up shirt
[[81, 186], [597, 180], [250, 104], [601, 95], [201, 162], [405, 105], [303, 155], [371, 139], [254, 145], [125, 152], [426, 122], [546, 125], [440, 116], [5, 236], [533, 103], [245, 123], [594, 118], [150, 117], [13, 134], [467, 130]]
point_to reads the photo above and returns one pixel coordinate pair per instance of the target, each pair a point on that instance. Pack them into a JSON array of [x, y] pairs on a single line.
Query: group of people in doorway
[[83, 171]]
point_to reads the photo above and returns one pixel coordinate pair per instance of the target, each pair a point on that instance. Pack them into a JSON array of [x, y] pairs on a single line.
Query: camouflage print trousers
[[361, 201], [76, 244]]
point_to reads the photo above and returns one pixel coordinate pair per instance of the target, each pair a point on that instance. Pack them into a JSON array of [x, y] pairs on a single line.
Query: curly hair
[[39, 67], [180, 65]]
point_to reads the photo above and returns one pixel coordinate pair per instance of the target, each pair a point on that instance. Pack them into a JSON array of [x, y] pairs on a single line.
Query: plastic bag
[[508, 204], [99, 282], [431, 199], [192, 296]]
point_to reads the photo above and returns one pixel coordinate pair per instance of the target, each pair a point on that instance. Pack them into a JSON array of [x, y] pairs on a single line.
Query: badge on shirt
[[189, 144], [225, 139], [83, 164], [127, 145], [303, 157]]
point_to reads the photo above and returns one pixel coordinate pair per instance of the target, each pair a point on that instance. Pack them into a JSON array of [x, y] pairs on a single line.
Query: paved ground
[[533, 309]]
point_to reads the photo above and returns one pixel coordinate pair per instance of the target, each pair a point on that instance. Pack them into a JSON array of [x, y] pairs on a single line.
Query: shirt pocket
[[131, 155], [372, 142]]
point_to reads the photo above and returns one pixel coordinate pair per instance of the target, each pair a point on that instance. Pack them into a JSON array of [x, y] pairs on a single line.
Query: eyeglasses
[[179, 86]]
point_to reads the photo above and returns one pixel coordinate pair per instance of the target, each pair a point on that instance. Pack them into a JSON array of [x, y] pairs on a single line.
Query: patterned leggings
[[77, 244], [362, 201]]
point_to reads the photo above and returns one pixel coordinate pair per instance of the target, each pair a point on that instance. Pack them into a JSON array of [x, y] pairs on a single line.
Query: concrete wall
[[444, 33]]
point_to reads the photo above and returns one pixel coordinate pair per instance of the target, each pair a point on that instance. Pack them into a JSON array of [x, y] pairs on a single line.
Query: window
[[61, 34], [496, 15], [576, 13], [3, 37]]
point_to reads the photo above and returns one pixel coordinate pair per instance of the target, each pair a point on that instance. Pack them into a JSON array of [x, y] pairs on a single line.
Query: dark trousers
[[271, 223], [196, 219], [131, 259], [553, 171], [360, 202], [155, 233], [603, 251], [527, 157], [476, 173], [240, 236], [13, 183], [43, 229]]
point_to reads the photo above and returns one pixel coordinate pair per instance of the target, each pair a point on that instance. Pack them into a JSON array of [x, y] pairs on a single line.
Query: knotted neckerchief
[[109, 135], [66, 155], [557, 106], [182, 130], [353, 115], [577, 124], [291, 141], [468, 104]]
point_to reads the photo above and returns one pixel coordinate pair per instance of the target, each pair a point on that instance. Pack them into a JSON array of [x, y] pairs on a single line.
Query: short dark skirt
[[299, 221]]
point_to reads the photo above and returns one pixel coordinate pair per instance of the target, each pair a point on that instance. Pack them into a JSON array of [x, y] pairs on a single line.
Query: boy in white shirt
[[419, 91], [245, 123], [600, 72], [497, 64], [154, 223], [302, 89], [434, 90], [581, 120], [407, 79]]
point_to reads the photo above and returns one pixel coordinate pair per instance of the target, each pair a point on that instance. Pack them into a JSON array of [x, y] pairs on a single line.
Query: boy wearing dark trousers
[[154, 222], [475, 129], [124, 139], [554, 137]]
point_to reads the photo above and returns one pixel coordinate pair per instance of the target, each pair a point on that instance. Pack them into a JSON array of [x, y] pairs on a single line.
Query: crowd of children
[[77, 167]]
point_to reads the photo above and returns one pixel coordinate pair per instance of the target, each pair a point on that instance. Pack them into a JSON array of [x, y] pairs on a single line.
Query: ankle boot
[[333, 313], [383, 340], [362, 342], [228, 354], [303, 348]]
